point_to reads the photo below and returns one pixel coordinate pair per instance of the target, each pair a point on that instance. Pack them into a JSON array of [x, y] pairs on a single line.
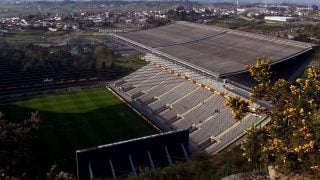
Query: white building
[[241, 10], [280, 18]]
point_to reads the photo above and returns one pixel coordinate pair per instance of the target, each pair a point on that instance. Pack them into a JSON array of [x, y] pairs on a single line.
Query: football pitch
[[75, 120]]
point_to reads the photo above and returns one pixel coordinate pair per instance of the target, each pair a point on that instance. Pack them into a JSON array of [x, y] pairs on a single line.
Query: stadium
[[192, 69]]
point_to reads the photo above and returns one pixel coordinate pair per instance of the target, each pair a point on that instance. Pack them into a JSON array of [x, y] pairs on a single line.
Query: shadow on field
[[61, 134]]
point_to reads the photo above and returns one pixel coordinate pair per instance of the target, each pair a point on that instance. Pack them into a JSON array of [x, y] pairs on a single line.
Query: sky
[[309, 2]]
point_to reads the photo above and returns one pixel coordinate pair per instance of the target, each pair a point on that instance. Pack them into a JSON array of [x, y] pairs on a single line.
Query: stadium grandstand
[[130, 157], [173, 97], [185, 84]]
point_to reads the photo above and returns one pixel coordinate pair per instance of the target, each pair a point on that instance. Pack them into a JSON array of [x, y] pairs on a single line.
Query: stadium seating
[[186, 103], [184, 99], [213, 126], [233, 133], [149, 83], [159, 90], [173, 95], [201, 113]]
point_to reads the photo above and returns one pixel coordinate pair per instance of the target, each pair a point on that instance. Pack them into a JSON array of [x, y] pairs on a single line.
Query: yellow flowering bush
[[291, 140]]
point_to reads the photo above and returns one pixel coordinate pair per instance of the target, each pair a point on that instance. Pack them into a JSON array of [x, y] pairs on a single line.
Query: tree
[[54, 174], [302, 38], [104, 56], [35, 56], [178, 14], [315, 7], [291, 139], [311, 31], [4, 46], [317, 60], [14, 139], [152, 22]]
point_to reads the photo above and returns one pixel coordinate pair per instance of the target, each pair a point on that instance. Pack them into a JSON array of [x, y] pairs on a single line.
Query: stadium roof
[[219, 51]]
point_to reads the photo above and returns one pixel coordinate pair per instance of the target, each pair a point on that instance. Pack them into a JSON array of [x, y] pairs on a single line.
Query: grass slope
[[76, 120]]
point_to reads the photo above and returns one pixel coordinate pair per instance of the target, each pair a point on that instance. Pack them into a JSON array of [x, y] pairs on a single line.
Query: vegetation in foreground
[[290, 141], [73, 120], [15, 138], [202, 167]]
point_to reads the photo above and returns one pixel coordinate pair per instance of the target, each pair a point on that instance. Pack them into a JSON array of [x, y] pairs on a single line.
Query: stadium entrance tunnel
[[126, 158]]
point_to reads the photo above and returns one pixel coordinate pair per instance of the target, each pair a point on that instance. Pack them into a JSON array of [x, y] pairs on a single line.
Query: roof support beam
[[112, 169], [168, 155], [132, 166], [90, 171], [150, 160], [184, 151]]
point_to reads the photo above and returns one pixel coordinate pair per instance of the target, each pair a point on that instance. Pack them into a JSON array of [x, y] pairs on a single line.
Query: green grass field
[[76, 120]]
